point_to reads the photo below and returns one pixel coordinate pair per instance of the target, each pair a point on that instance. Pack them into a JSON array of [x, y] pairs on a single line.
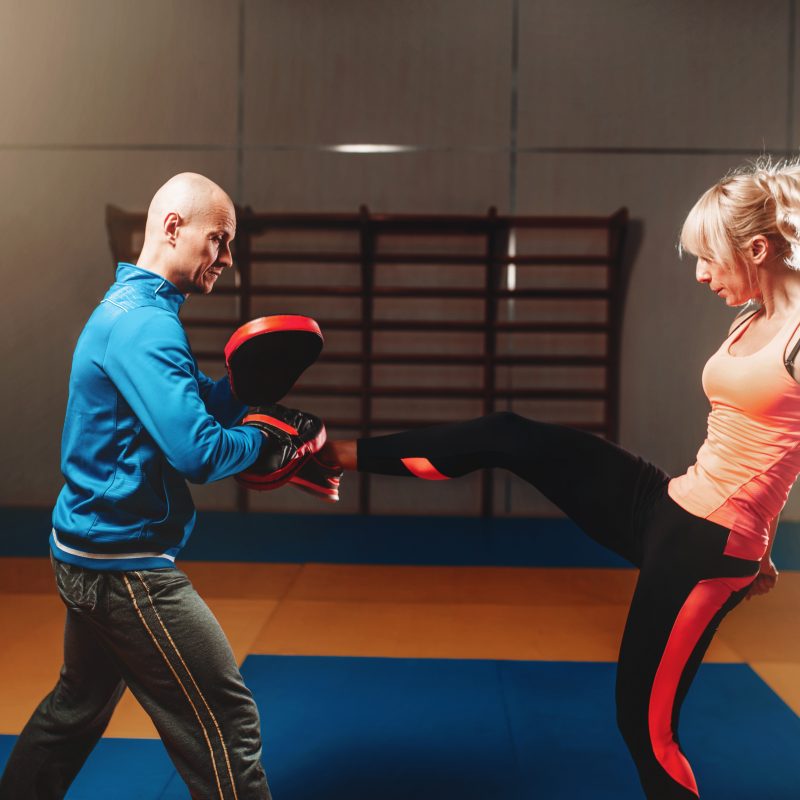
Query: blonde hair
[[762, 198]]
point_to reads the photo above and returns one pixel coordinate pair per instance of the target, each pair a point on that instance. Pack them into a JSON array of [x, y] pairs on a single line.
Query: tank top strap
[[745, 318], [788, 360]]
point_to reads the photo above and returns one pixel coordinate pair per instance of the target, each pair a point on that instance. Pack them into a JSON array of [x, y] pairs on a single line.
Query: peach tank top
[[751, 456]]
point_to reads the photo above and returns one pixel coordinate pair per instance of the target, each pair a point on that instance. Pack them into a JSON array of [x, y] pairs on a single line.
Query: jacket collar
[[149, 283]]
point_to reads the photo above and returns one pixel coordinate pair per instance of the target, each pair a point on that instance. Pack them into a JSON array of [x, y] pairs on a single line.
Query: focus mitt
[[290, 437], [266, 356]]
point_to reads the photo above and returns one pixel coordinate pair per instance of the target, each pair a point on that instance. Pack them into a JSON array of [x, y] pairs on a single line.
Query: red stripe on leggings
[[704, 601], [423, 468]]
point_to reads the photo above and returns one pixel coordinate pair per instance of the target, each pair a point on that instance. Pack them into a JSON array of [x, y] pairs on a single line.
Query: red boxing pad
[[274, 480], [266, 356]]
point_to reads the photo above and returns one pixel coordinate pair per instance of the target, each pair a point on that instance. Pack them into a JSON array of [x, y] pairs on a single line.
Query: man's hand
[[290, 437], [765, 580]]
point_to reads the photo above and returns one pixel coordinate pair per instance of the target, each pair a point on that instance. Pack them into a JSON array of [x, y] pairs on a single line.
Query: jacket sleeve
[[219, 400], [150, 362]]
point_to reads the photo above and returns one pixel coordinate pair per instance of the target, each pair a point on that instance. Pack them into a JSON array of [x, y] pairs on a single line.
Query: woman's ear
[[759, 249]]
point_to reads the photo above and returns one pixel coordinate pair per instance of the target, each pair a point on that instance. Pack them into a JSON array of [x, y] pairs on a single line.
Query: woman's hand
[[765, 580]]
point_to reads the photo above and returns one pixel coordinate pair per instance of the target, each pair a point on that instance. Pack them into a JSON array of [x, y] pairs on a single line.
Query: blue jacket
[[141, 419]]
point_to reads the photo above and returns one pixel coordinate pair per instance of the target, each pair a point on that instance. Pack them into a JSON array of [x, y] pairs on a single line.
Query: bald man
[[141, 419]]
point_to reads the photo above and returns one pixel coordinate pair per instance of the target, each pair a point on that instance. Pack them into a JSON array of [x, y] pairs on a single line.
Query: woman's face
[[730, 282]]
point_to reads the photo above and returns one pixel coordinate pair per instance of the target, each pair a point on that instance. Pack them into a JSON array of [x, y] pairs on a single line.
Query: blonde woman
[[702, 540]]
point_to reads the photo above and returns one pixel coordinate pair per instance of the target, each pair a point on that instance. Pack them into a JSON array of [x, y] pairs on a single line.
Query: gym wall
[[534, 106]]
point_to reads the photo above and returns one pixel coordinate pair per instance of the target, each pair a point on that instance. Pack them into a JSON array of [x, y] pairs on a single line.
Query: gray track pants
[[151, 631]]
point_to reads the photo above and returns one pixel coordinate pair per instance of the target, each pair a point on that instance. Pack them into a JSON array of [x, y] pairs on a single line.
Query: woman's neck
[[779, 287]]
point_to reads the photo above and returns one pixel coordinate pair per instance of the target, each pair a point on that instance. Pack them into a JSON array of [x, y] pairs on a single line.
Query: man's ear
[[172, 222]]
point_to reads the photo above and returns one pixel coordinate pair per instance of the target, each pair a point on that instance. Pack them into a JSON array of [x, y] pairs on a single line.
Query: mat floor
[[382, 682]]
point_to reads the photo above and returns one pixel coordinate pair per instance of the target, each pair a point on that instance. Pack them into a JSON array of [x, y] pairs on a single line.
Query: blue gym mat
[[386, 729]]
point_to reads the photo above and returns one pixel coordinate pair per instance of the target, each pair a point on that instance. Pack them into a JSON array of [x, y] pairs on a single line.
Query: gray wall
[[535, 106]]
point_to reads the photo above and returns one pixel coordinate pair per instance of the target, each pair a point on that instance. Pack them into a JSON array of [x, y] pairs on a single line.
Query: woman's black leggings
[[686, 583]]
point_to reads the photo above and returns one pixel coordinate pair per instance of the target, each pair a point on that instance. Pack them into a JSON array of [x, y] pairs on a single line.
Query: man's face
[[202, 247]]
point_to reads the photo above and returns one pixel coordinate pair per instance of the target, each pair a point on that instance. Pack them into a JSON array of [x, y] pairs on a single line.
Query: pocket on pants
[[78, 587]]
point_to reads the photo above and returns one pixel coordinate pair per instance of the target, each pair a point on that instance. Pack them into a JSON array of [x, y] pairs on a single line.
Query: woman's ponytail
[[761, 199], [781, 183]]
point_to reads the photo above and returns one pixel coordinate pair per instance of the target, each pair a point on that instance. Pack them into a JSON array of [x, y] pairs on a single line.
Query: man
[[141, 418]]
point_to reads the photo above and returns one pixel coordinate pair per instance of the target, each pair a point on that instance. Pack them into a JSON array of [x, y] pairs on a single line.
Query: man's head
[[190, 224]]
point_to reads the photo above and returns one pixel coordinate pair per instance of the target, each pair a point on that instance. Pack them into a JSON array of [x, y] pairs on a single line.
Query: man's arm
[[149, 360], [220, 401]]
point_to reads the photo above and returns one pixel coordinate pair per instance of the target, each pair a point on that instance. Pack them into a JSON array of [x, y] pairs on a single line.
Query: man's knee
[[84, 701]]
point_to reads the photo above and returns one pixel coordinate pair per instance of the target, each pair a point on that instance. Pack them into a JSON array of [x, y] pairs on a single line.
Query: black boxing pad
[[266, 356]]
